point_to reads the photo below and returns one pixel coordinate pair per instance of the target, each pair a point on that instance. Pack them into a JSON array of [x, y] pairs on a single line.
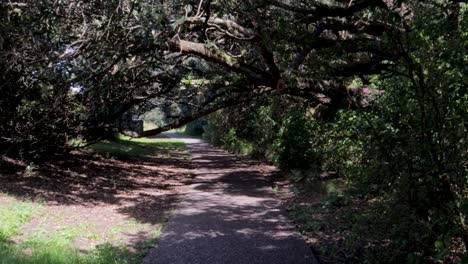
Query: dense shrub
[[295, 143]]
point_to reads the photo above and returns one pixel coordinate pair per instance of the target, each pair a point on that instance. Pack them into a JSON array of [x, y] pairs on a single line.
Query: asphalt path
[[229, 214]]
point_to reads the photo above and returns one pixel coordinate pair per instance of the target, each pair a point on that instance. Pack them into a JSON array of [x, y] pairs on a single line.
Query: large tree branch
[[374, 28], [335, 96], [238, 32], [220, 57], [320, 10], [226, 26], [180, 121]]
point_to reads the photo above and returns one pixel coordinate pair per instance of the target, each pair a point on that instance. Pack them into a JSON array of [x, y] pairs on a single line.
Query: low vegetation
[[43, 247], [64, 222], [343, 227], [125, 147]]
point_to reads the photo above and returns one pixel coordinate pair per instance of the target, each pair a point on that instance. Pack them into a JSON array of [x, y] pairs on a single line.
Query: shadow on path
[[228, 214]]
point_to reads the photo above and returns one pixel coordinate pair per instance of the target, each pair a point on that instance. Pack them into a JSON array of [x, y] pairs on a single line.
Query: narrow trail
[[229, 214]]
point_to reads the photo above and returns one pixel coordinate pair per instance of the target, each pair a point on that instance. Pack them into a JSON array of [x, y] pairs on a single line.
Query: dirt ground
[[99, 199]]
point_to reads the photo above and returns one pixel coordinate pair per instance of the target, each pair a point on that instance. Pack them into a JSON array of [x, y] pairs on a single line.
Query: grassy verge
[[43, 247], [125, 147], [53, 247], [33, 232], [13, 214], [50, 249]]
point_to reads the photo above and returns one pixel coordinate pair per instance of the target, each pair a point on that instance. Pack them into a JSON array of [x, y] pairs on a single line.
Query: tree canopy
[[94, 60]]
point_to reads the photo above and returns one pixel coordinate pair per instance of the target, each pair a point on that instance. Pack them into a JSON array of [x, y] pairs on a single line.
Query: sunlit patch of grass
[[171, 142], [134, 226], [13, 215], [86, 229], [55, 251], [58, 248], [149, 242], [131, 226], [45, 247], [124, 147]]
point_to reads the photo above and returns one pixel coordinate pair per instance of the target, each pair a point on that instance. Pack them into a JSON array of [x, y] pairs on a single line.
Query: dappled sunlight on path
[[229, 214]]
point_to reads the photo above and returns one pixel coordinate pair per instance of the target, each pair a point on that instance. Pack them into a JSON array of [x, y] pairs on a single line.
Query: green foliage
[[409, 147], [233, 143], [295, 143], [412, 148], [214, 130], [265, 122], [418, 151], [49, 93], [281, 132], [247, 129]]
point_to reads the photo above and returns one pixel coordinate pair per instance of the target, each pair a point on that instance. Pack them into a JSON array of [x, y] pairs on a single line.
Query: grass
[[46, 247], [43, 247], [124, 147], [56, 251], [13, 215]]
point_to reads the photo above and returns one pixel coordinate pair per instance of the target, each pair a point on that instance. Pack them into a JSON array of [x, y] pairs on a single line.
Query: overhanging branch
[[220, 57]]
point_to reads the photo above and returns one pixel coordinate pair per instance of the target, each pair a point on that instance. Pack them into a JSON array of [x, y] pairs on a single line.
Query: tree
[[200, 56], [299, 48]]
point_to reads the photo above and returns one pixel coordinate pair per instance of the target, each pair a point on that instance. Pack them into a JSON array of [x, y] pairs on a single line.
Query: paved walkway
[[229, 214]]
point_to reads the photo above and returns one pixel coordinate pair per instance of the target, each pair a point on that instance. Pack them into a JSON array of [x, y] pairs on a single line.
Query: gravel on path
[[229, 214]]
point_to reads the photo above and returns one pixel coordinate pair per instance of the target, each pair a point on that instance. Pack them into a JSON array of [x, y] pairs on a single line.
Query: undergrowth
[[347, 228]]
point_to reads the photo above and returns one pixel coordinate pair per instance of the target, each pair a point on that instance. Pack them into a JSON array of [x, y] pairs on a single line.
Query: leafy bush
[[234, 144], [295, 144], [256, 127]]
